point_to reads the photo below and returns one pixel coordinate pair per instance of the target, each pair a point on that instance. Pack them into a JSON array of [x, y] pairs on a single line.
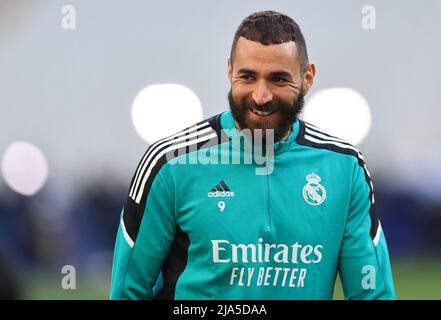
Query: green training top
[[209, 218]]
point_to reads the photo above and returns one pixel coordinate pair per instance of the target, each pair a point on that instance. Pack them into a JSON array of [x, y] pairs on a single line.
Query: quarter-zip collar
[[227, 122]]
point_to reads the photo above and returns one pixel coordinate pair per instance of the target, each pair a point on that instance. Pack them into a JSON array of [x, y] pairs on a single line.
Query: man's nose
[[262, 94]]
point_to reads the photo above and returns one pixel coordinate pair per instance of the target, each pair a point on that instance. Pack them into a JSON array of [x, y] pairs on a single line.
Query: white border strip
[[160, 154], [323, 136], [158, 146], [154, 146], [338, 144], [377, 235], [126, 235]]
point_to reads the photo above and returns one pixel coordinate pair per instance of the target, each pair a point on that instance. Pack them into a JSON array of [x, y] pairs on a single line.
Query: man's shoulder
[[202, 134], [165, 150], [321, 140], [197, 130]]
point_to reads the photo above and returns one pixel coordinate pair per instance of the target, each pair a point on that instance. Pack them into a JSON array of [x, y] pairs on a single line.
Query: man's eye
[[279, 80], [247, 77]]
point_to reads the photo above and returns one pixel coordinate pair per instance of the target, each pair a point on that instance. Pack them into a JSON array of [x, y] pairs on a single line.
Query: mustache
[[267, 107]]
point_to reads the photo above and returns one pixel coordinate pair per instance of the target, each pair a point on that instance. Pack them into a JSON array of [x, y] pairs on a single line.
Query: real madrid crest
[[313, 192]]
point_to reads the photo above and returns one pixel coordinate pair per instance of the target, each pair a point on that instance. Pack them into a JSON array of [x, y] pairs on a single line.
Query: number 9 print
[[221, 206]]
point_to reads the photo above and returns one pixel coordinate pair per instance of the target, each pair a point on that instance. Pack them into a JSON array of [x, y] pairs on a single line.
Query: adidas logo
[[220, 190]]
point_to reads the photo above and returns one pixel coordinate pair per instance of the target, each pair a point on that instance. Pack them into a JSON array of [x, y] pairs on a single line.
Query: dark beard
[[287, 111]]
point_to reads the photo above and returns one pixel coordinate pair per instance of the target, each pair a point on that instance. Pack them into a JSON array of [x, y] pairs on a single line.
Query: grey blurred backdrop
[[70, 93]]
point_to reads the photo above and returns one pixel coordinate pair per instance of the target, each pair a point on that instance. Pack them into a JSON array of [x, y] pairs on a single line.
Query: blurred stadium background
[[75, 120]]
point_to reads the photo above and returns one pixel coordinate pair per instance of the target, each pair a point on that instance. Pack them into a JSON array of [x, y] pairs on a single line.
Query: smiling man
[[269, 75], [194, 229]]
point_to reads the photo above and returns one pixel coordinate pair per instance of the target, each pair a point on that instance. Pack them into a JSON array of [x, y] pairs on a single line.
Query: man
[[194, 229]]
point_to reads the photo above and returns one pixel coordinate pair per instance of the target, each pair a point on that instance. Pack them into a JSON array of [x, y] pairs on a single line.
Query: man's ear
[[308, 78], [230, 69]]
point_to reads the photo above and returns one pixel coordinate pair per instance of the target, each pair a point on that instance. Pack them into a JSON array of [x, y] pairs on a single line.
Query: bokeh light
[[163, 109], [24, 168], [342, 112]]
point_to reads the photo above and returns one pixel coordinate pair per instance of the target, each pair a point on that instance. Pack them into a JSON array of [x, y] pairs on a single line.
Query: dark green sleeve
[[364, 265]]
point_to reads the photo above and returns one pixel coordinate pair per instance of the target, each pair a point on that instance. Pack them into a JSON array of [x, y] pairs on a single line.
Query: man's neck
[[285, 137]]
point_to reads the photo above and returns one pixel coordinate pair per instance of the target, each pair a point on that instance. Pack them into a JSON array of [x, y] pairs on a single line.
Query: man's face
[[267, 86]]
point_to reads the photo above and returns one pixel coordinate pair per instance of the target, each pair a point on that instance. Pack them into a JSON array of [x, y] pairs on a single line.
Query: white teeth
[[261, 113]]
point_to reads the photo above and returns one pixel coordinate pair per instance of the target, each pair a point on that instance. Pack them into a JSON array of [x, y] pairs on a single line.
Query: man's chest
[[296, 203]]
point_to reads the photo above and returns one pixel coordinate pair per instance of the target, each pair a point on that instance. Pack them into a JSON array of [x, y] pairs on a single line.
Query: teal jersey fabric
[[205, 218]]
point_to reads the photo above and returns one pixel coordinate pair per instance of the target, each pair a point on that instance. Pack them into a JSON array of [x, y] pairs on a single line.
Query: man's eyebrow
[[246, 71], [281, 74]]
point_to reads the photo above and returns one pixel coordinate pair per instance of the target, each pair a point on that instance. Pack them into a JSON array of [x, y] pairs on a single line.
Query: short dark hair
[[271, 27]]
